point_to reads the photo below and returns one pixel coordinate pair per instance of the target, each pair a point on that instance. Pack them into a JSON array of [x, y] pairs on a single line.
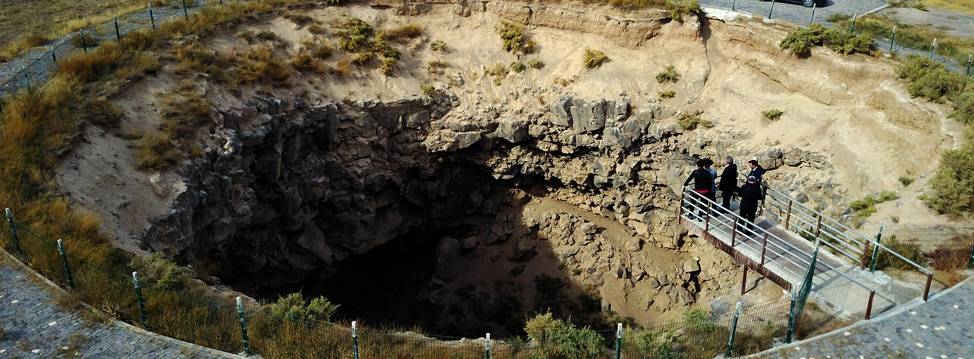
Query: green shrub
[[953, 184], [156, 151], [355, 35], [937, 84], [427, 89], [865, 207], [909, 251], [514, 38], [678, 9], [563, 340], [667, 94], [692, 120], [436, 67], [594, 58], [699, 322], [799, 42], [906, 180], [657, 344], [668, 75], [402, 33], [536, 64], [964, 106], [773, 114], [540, 327], [518, 67], [847, 43], [293, 308], [439, 46], [160, 272], [497, 72]]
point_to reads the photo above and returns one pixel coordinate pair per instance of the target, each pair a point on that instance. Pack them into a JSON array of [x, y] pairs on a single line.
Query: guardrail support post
[[185, 12], [791, 317], [84, 43], [734, 6], [152, 17], [707, 225], [771, 11], [876, 249], [733, 331], [138, 298], [764, 247], [744, 280], [869, 305], [788, 213], [245, 339], [487, 347], [933, 49], [818, 226], [679, 215], [64, 263], [14, 241], [926, 289], [892, 39], [970, 64], [118, 35], [734, 234], [354, 340], [854, 19], [619, 334]]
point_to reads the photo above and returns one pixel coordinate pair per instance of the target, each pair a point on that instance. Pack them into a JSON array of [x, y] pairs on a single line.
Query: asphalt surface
[[796, 13]]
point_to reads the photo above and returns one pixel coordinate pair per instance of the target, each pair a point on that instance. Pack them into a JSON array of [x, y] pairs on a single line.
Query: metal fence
[[154, 301]]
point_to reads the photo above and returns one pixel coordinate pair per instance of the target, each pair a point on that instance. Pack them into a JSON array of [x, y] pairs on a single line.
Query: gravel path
[[34, 327], [941, 329]]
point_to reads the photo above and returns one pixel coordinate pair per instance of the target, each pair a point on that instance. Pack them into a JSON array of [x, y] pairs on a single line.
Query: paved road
[[796, 13], [34, 327], [941, 329]]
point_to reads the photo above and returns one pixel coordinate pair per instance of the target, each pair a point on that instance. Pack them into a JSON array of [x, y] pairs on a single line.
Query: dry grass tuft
[[403, 33], [594, 58]]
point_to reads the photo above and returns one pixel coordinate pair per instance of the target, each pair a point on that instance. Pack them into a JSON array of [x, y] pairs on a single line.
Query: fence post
[[892, 39], [814, 7], [619, 334], [734, 234], [854, 19], [734, 6], [84, 44], [707, 225], [926, 289], [354, 340], [744, 280], [791, 317], [64, 263], [118, 35], [679, 215], [869, 306], [185, 12], [138, 298], [770, 12], [876, 249], [152, 18], [13, 230], [245, 339], [933, 49], [54, 57], [788, 213], [487, 347], [27, 77], [970, 63], [970, 262], [764, 247], [733, 331]]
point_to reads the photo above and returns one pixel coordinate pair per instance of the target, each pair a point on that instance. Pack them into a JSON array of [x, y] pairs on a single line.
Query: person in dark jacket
[[750, 196], [728, 182], [703, 183], [756, 170]]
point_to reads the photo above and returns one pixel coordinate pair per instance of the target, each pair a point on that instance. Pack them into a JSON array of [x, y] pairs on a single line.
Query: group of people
[[707, 183]]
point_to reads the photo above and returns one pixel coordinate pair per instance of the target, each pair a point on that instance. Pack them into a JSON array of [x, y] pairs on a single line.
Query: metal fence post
[[770, 12], [185, 12], [734, 6], [970, 262], [764, 247], [933, 49], [854, 19], [814, 7], [707, 225], [734, 233], [744, 280], [138, 298], [84, 44], [876, 249], [64, 263], [354, 340], [152, 18], [791, 317], [14, 241], [118, 35], [892, 39], [245, 339], [733, 331], [788, 214], [869, 306], [54, 57], [487, 347], [619, 334], [970, 63], [27, 77], [926, 289]]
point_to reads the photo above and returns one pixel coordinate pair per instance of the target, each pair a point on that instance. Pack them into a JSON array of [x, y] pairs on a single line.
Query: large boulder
[[514, 131], [588, 117], [615, 138], [562, 112]]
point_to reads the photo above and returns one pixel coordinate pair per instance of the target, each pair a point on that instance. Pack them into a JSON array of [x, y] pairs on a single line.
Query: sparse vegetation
[[84, 40], [772, 114], [560, 339], [439, 46], [359, 39], [692, 120], [436, 67], [800, 41], [497, 72], [536, 64], [668, 75], [514, 39], [518, 67], [292, 307], [914, 36], [865, 207], [953, 184], [594, 58], [428, 89], [402, 33], [679, 9], [667, 94], [906, 180], [300, 19]]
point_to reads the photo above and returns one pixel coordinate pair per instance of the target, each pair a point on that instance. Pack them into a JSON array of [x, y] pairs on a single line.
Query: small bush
[[293, 308], [514, 39], [657, 343], [909, 251], [692, 120], [678, 9], [865, 207], [594, 58], [518, 67], [161, 272], [439, 46], [668, 75], [387, 65], [964, 106], [667, 94], [497, 72], [304, 62], [259, 65], [906, 180], [156, 151], [85, 39], [355, 35], [22, 43], [563, 340], [403, 33], [800, 41], [953, 184], [536, 64], [773, 114], [428, 89], [100, 112], [436, 67]]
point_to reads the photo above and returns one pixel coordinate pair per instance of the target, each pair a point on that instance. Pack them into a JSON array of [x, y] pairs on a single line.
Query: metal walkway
[[780, 246]]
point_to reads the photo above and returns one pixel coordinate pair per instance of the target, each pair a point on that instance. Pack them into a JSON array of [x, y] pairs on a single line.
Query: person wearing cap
[[750, 194], [728, 182]]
